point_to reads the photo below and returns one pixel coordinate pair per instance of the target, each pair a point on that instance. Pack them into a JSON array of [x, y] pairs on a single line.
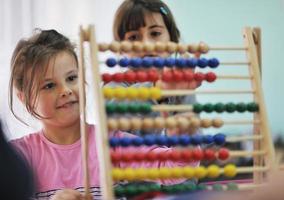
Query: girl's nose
[[66, 92]]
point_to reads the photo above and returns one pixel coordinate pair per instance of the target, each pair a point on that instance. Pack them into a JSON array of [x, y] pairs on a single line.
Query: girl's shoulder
[[32, 138]]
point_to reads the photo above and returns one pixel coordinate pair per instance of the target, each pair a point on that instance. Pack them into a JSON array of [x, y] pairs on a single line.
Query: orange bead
[[206, 123], [171, 47], [203, 48], [114, 46], [149, 47], [137, 46], [159, 122], [160, 47], [171, 122], [126, 46], [124, 124], [183, 123], [103, 47], [217, 122], [136, 123], [195, 122], [148, 123], [182, 48], [192, 48], [112, 124]]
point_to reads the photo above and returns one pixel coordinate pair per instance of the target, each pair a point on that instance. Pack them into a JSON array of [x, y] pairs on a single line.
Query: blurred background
[[218, 23]]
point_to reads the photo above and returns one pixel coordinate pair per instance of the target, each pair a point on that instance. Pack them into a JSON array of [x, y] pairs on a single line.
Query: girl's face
[[58, 99], [154, 30]]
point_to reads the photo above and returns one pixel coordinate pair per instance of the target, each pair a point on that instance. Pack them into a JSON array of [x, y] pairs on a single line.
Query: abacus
[[190, 149]]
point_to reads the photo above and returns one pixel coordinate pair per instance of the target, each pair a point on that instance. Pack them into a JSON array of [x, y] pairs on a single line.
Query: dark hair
[[130, 16], [29, 63]]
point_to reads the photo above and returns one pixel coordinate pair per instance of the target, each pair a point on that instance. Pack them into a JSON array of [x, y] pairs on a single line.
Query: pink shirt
[[60, 166]]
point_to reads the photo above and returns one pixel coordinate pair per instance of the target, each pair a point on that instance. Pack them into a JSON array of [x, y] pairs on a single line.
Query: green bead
[[230, 107], [143, 188], [121, 108], [219, 107], [217, 187], [208, 108], [154, 187], [119, 191], [232, 186], [241, 107], [252, 107], [133, 108], [110, 108], [167, 188], [145, 108], [197, 108], [131, 190], [178, 188], [201, 186], [191, 187]]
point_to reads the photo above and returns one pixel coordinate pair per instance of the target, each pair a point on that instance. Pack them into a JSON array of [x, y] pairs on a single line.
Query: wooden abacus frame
[[264, 151]]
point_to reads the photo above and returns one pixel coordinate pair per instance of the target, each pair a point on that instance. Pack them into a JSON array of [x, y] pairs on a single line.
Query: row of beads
[[212, 171], [183, 123], [132, 93], [138, 47], [160, 62], [196, 154], [228, 107], [146, 108], [183, 140], [152, 76], [131, 190]]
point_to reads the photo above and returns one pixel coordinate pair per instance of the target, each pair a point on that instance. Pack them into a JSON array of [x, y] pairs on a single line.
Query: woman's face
[[154, 30]]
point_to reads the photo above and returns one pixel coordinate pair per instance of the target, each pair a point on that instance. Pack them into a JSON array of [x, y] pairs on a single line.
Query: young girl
[[151, 21], [44, 75]]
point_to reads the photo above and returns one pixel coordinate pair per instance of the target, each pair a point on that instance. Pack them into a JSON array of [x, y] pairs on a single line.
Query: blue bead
[[202, 62], [147, 62], [159, 62], [173, 140], [162, 140], [111, 62], [149, 140], [219, 139], [124, 62], [137, 141], [213, 62], [136, 62], [191, 62], [184, 140], [196, 139], [181, 62], [113, 142], [170, 62], [125, 142], [208, 139]]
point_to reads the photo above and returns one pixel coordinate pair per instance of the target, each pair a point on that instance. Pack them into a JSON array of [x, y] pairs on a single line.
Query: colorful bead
[[203, 48], [219, 139], [206, 123], [208, 107], [208, 139], [177, 172], [120, 92], [145, 108], [219, 107], [141, 173], [217, 122], [197, 108], [213, 171], [230, 107], [164, 173], [192, 48], [199, 76], [147, 62], [184, 140], [153, 173], [130, 77], [117, 174], [232, 186], [210, 77], [192, 62], [153, 75], [213, 62], [121, 108], [107, 77], [202, 62], [196, 139], [132, 93], [158, 62], [200, 172], [241, 107], [252, 107], [217, 187], [124, 62], [188, 75], [178, 76], [181, 62], [167, 76], [230, 170], [135, 62], [159, 122], [170, 62], [142, 76], [136, 123], [209, 154], [188, 172], [129, 174], [111, 62], [197, 154], [110, 108], [108, 93], [143, 93], [223, 154]]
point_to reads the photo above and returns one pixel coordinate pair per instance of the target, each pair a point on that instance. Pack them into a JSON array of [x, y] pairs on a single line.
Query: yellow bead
[[108, 92], [165, 173], [230, 170], [141, 173], [213, 171], [153, 173], [188, 172], [200, 172], [120, 92], [132, 93], [129, 174], [177, 172], [155, 93], [117, 174], [143, 93]]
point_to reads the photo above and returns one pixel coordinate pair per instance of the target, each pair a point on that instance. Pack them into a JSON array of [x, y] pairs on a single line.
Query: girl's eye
[[48, 86], [156, 33], [72, 78], [133, 37]]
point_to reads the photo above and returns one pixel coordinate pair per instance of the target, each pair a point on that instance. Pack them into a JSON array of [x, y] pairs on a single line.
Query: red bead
[[127, 156], [186, 155], [175, 155], [130, 76], [167, 76], [142, 76], [178, 75], [209, 154], [107, 77], [118, 77], [139, 156], [188, 75], [223, 154], [153, 75], [164, 156], [198, 76], [152, 156], [210, 77], [115, 156], [197, 154]]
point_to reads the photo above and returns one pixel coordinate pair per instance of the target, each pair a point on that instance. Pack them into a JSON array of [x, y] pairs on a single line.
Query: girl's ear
[[21, 96]]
